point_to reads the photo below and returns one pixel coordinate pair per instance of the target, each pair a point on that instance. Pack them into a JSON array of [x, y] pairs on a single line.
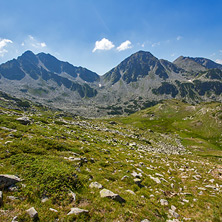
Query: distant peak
[[28, 52]]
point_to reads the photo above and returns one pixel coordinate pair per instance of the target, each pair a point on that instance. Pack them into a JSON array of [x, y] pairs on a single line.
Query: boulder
[[24, 120], [32, 213], [109, 194], [77, 211], [8, 180], [96, 185]]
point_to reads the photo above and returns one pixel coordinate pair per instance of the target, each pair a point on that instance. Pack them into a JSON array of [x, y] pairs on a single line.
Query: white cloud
[[179, 38], [32, 41], [103, 44], [124, 46], [3, 44], [219, 61], [155, 44]]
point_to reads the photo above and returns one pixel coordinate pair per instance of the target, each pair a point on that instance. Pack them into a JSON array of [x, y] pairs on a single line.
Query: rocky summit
[[138, 82]]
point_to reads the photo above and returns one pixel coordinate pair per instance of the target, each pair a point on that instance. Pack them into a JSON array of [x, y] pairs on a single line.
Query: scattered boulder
[[53, 210], [77, 211], [24, 120], [96, 185], [135, 174], [157, 180], [8, 180], [164, 202], [32, 213], [111, 195], [138, 182], [130, 191], [145, 220]]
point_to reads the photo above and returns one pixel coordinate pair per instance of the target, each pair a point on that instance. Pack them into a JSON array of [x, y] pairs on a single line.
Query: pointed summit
[[136, 66]]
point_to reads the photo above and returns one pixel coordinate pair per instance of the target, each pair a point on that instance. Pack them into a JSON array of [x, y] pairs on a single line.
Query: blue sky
[[99, 34]]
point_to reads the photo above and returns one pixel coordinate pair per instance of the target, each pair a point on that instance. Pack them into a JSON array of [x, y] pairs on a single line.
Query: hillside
[[161, 163]]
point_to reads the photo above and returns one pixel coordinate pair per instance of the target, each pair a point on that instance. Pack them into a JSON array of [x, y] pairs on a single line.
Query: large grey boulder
[[77, 211], [32, 212], [24, 120], [7, 180], [109, 194]]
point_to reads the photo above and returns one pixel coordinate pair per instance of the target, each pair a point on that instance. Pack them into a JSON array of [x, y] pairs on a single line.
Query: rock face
[[32, 213], [77, 211], [8, 180], [109, 194], [96, 185]]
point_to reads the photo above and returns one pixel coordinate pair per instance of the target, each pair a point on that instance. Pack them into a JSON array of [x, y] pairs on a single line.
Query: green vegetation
[[58, 153]]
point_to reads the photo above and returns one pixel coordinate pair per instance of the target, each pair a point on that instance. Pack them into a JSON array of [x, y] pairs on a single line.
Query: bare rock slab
[[109, 194], [77, 211], [7, 180]]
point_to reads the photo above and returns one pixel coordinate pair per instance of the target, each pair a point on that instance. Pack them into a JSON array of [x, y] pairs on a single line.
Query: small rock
[[44, 199], [53, 210], [164, 202], [138, 182], [111, 195], [96, 185], [135, 174], [124, 177], [157, 180], [12, 198], [130, 191], [1, 198], [73, 195], [32, 213], [173, 213], [15, 219], [145, 220], [77, 211], [173, 208], [8, 180]]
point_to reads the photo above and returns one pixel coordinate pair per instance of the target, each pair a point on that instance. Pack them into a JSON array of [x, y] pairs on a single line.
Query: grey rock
[[109, 194], [145, 220], [135, 174], [8, 180], [77, 211], [130, 191], [157, 180], [1, 198], [173, 213], [15, 219], [96, 185], [53, 210], [24, 120], [164, 202], [32, 212], [12, 198]]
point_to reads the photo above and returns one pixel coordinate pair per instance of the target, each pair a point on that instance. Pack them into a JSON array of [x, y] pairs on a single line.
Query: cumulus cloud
[[103, 44], [219, 61], [3, 44], [124, 46], [179, 38]]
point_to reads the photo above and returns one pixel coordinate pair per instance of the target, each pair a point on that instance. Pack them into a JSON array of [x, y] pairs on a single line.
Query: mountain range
[[140, 81]]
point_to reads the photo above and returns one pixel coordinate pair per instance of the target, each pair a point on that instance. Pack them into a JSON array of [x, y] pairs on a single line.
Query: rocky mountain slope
[[160, 164], [139, 81]]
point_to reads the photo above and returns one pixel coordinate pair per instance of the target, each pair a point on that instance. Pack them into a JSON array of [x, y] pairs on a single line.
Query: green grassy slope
[[152, 142]]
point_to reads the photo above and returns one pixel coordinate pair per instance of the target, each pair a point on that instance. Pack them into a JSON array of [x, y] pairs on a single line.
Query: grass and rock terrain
[[163, 163]]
